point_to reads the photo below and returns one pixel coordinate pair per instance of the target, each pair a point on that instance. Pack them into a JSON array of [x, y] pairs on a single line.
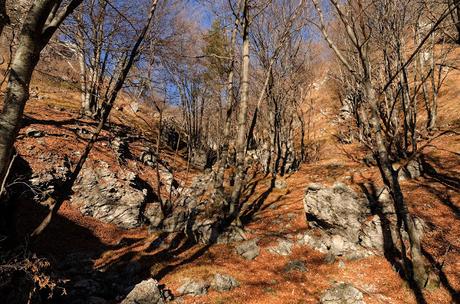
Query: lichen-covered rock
[[199, 212], [109, 196], [283, 248], [193, 287]]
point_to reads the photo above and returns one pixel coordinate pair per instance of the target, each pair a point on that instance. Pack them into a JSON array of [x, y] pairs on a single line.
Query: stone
[[223, 282], [248, 249], [283, 248], [296, 265], [146, 292], [109, 196], [193, 287], [342, 293], [341, 264], [344, 224], [413, 169], [231, 235], [280, 184]]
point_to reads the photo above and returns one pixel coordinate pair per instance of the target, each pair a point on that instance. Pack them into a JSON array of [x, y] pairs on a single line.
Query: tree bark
[[240, 143], [230, 105]]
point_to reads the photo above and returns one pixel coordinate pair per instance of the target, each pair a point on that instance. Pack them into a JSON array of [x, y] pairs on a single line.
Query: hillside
[[53, 132], [157, 152]]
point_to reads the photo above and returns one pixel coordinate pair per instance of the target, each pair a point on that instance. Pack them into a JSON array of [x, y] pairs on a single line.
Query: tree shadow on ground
[[252, 209], [391, 251]]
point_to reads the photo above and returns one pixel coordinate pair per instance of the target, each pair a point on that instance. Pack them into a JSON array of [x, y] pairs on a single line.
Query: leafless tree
[[126, 63], [362, 28]]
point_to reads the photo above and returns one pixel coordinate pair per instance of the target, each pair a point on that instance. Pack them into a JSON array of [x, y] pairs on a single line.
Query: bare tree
[[357, 20], [41, 22], [126, 63]]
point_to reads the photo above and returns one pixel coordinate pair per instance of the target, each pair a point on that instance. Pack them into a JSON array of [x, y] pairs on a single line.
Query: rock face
[[345, 223], [295, 265], [146, 292], [413, 169], [342, 293], [199, 212], [111, 197]]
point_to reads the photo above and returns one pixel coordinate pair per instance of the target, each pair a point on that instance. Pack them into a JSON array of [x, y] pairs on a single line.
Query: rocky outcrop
[[283, 248], [116, 198], [199, 212], [413, 169], [342, 293], [347, 224]]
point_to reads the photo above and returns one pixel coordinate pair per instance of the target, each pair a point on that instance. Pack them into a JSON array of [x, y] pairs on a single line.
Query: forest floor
[[280, 215]]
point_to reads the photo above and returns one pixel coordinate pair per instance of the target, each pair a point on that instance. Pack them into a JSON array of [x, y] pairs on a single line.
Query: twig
[[8, 171]]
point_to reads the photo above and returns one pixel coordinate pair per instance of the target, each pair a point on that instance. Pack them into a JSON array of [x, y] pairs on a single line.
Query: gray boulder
[[199, 212], [248, 249], [223, 282], [146, 292], [342, 293], [193, 287], [283, 248], [345, 225], [413, 169], [109, 196]]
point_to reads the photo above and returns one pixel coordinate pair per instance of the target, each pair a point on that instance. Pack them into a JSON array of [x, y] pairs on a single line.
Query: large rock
[[413, 169], [146, 292], [193, 287], [342, 293], [223, 282], [346, 225], [109, 196], [283, 248], [248, 249], [199, 212]]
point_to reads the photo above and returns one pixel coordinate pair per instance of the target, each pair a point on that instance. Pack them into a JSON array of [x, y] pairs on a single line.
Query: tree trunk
[[243, 106], [390, 177]]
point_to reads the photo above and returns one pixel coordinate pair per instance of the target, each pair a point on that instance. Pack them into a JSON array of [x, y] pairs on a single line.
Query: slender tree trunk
[[243, 106]]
